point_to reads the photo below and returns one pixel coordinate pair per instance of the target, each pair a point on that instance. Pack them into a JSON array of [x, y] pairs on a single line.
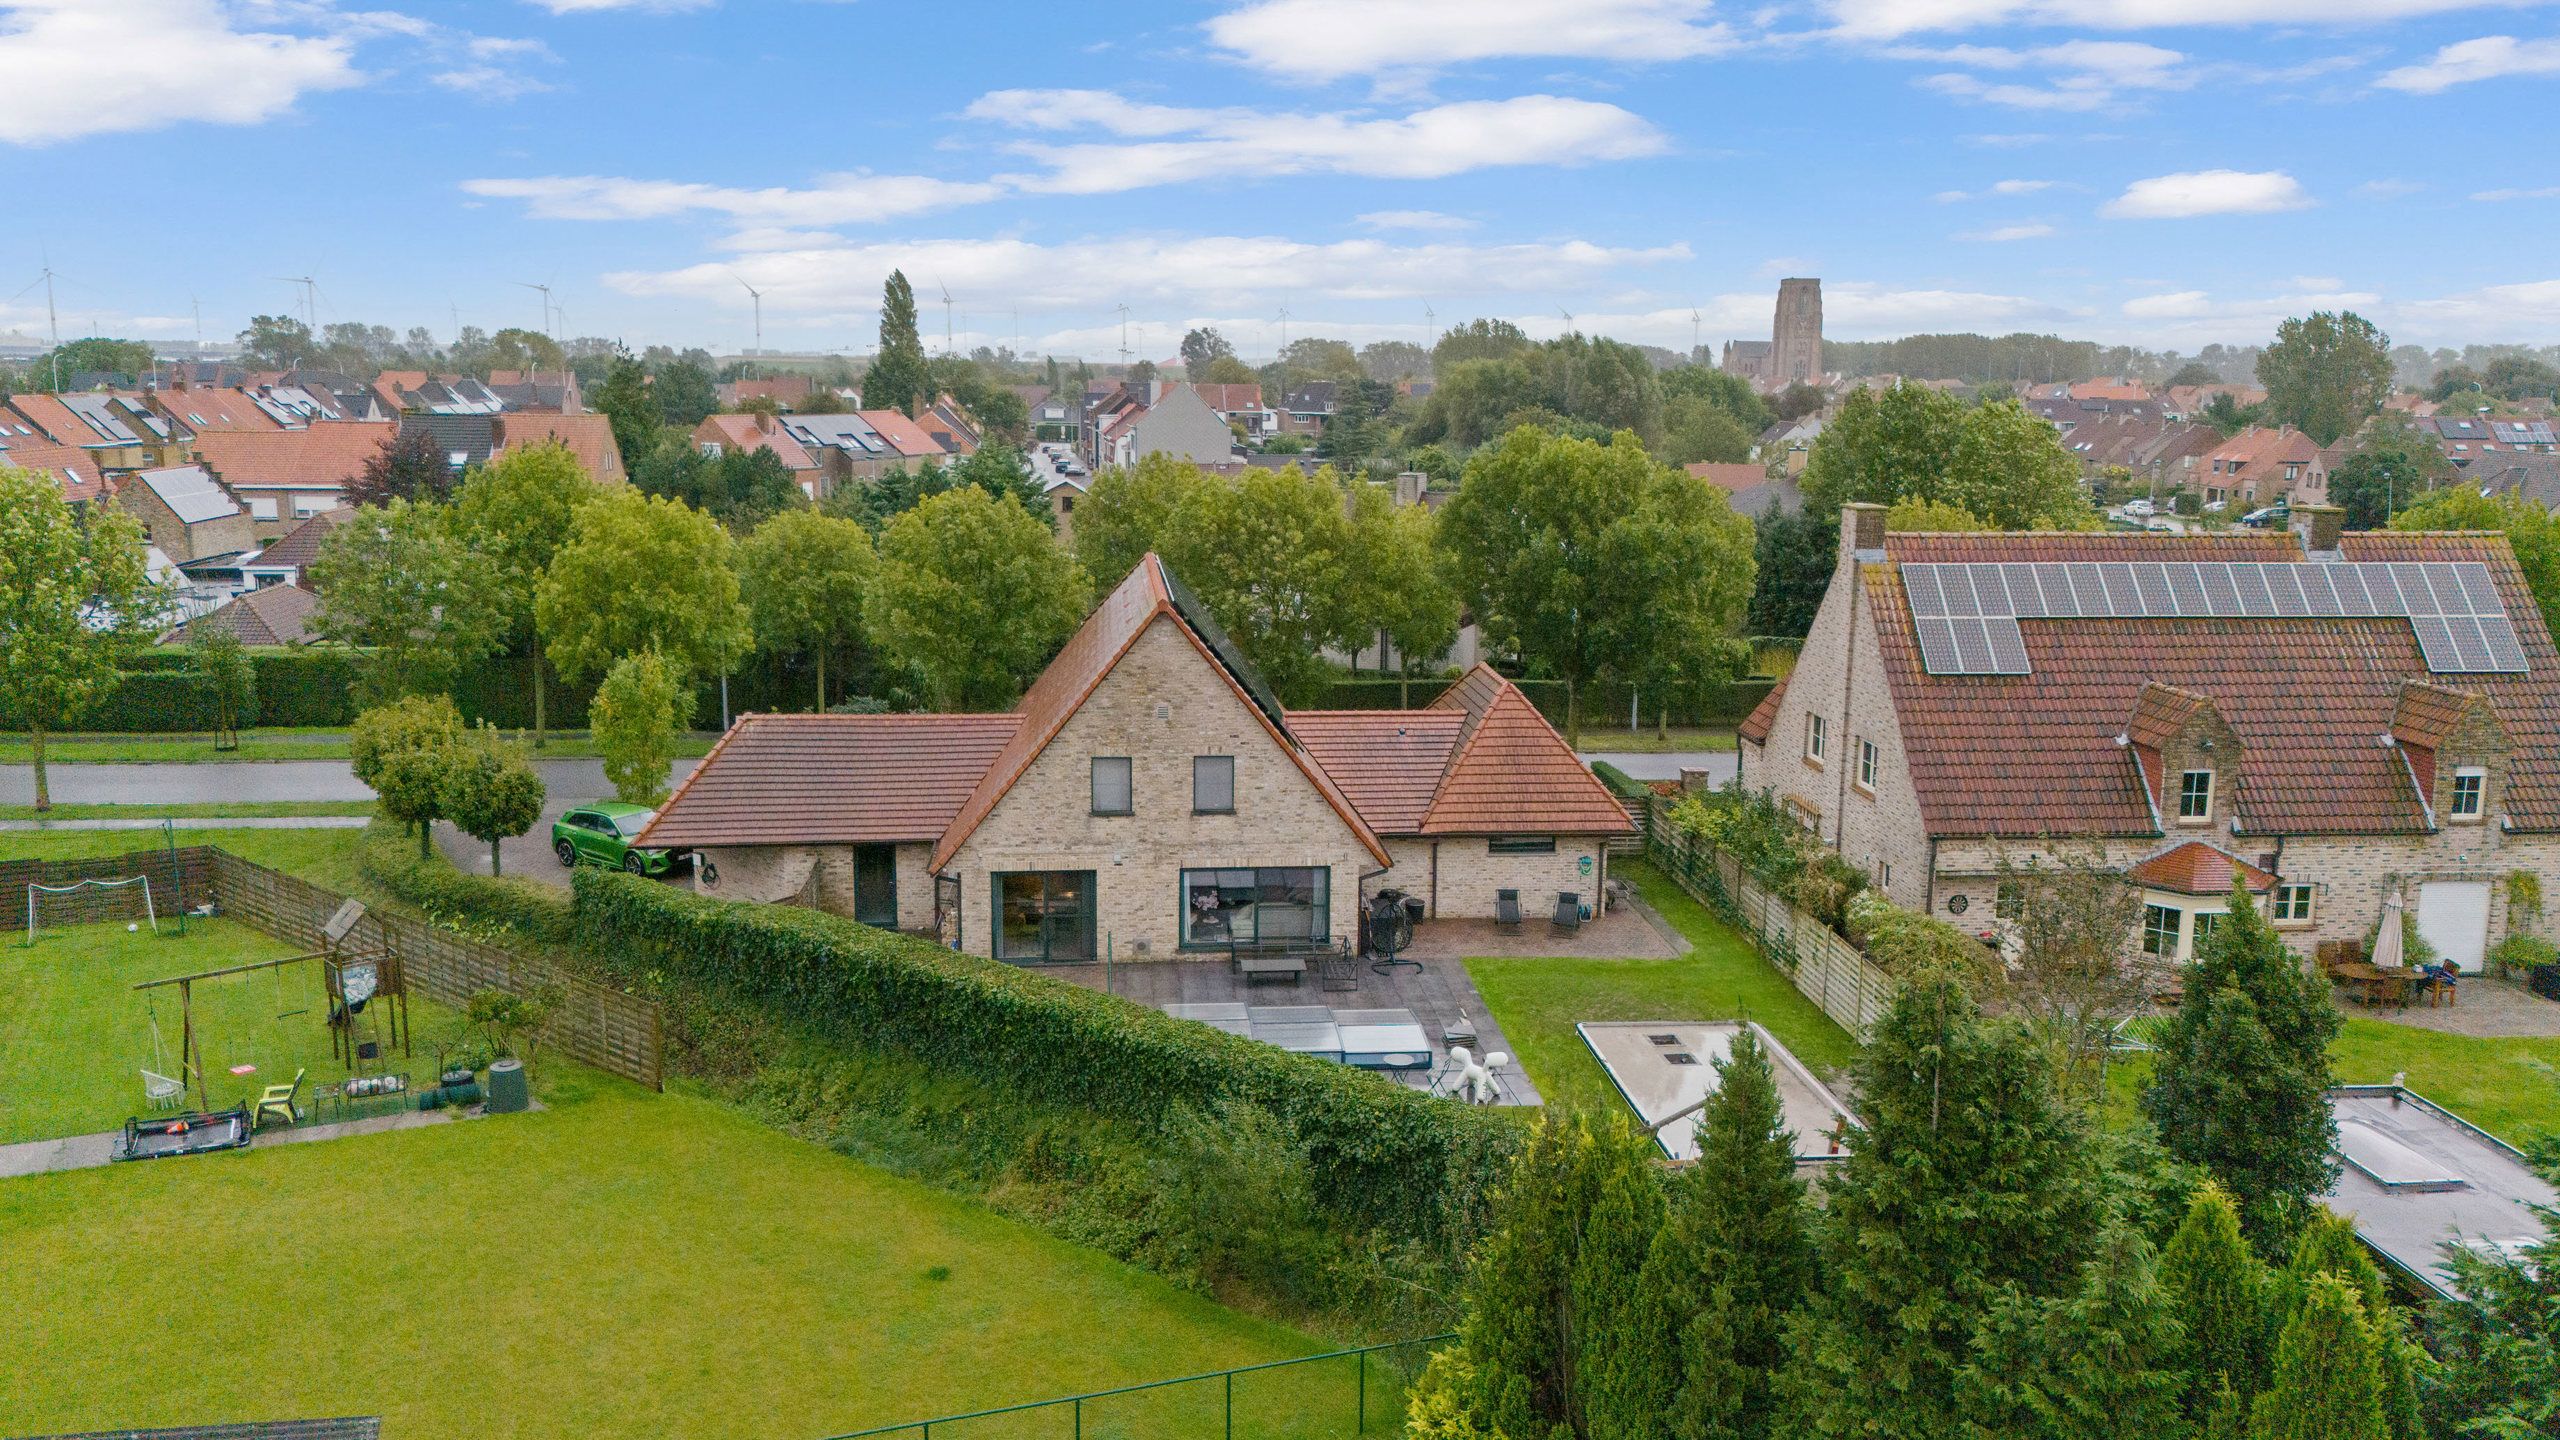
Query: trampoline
[[193, 1133]]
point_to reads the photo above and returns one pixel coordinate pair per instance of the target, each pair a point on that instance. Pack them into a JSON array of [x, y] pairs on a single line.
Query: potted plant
[[2532, 959]]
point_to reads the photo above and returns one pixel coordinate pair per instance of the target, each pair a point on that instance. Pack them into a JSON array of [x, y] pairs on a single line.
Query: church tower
[[1795, 337]]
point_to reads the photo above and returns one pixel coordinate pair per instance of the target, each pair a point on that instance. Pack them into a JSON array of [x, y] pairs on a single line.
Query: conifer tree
[[2241, 1083], [899, 377], [2327, 1380], [1970, 1182], [2328, 1246], [2101, 1364], [2219, 1292]]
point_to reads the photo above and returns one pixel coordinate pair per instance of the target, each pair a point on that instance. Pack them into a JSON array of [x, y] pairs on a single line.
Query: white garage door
[[2453, 916]]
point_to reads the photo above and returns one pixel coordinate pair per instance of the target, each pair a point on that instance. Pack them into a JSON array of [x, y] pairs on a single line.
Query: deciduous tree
[[1200, 348], [491, 791], [516, 511], [635, 716], [2531, 531], [403, 751], [400, 579], [1399, 588], [2326, 373], [1996, 460], [624, 399], [76, 601], [409, 466], [972, 596], [2396, 470], [1793, 557], [221, 664], [1130, 511], [640, 573], [803, 576]]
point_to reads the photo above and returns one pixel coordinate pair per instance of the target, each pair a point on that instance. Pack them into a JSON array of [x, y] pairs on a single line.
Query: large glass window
[[1044, 915], [1112, 786], [1213, 784], [1222, 907], [2160, 930]]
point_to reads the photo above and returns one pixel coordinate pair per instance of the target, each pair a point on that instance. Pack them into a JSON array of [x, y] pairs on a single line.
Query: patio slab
[[1440, 994], [2482, 1007]]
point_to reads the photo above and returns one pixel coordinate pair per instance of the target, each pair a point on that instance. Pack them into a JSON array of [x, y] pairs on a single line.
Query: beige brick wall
[[1841, 678], [1457, 875], [1162, 705], [774, 873]]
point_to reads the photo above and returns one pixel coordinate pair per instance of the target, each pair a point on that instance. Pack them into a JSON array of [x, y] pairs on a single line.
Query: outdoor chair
[[1568, 916], [162, 1092], [1506, 912], [284, 1100]]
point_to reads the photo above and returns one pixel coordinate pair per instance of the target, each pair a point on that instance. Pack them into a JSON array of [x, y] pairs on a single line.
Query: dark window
[[875, 885], [1213, 784], [1269, 903], [1521, 845], [1044, 915], [1112, 794], [2202, 928]]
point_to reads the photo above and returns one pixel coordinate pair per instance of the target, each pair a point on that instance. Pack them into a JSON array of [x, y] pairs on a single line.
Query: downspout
[[1435, 877], [1848, 706]]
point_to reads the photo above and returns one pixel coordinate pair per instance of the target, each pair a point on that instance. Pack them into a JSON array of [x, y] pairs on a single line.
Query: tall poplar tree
[[899, 377]]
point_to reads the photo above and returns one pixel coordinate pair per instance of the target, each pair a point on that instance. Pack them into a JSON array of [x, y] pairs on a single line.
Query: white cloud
[[2490, 57], [1996, 188], [2006, 233], [833, 200], [79, 67], [2207, 192], [2539, 192], [495, 70], [1413, 220], [2389, 189], [2492, 314], [2082, 75], [2194, 316], [1426, 144], [2174, 305], [1332, 39], [1199, 272], [1090, 109], [1890, 19], [581, 7]]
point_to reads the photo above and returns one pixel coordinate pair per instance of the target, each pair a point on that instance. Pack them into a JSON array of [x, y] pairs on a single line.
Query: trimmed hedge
[[1602, 705], [157, 691], [1621, 784], [389, 858], [1380, 1154]]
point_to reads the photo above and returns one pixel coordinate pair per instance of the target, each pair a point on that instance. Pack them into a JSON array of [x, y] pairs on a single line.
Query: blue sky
[[2162, 172]]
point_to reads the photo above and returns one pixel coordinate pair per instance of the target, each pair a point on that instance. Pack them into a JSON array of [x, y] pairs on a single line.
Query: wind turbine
[[1693, 334], [946, 316], [758, 297], [52, 320], [1124, 336], [544, 291], [310, 299], [1284, 329], [1430, 321]]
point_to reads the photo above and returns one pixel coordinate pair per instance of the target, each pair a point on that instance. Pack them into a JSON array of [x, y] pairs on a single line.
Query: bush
[[159, 692], [1379, 1155], [1626, 787], [2524, 954], [474, 904]]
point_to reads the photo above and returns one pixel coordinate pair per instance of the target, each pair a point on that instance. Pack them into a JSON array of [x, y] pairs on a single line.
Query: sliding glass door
[[1044, 916]]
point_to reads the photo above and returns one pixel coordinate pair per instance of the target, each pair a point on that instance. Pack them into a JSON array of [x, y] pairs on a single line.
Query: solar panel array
[[1967, 614]]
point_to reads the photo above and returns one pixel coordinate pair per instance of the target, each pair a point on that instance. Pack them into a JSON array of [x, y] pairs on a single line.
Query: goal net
[[86, 902]]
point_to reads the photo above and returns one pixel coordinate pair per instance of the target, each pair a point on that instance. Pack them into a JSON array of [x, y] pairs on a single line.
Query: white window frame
[[1869, 762], [2204, 814], [2282, 904], [2164, 941], [262, 507], [1817, 738], [2477, 793]]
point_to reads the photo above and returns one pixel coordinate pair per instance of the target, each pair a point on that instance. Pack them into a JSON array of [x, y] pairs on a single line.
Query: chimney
[[1861, 531], [2320, 526], [764, 422], [1409, 487]]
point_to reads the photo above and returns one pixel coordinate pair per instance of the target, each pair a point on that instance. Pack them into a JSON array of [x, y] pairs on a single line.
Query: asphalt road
[[256, 781], [1720, 765]]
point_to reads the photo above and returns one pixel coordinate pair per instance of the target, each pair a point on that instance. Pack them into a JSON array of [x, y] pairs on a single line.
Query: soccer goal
[[86, 902]]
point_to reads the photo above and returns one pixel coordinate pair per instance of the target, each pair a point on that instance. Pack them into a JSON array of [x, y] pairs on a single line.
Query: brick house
[[187, 513], [2260, 466], [2295, 709], [1147, 797]]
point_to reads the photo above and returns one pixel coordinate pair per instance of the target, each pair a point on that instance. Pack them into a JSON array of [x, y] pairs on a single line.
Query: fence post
[[1364, 1393], [1079, 1417], [1231, 1405]]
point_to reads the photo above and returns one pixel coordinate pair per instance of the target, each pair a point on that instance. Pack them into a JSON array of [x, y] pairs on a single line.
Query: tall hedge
[[1379, 1153]]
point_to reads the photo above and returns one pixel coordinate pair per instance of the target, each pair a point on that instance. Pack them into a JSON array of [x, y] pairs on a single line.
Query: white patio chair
[[163, 1092]]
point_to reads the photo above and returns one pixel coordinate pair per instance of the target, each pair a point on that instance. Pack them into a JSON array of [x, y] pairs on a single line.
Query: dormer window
[[2470, 790], [2195, 797]]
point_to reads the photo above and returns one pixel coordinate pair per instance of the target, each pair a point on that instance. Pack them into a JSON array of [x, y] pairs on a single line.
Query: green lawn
[[74, 1033], [621, 1263], [1600, 739], [218, 810], [1723, 977], [2507, 1086], [323, 857], [262, 744]]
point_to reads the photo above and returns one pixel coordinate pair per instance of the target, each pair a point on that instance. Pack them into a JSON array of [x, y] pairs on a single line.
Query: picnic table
[[2374, 985]]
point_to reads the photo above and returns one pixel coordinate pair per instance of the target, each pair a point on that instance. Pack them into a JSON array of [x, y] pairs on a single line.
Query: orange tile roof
[[589, 437], [1755, 726], [1729, 477], [299, 546], [1088, 656], [274, 615], [2196, 868], [903, 434], [76, 468], [742, 432], [324, 456], [1513, 773], [2160, 712], [1388, 762], [832, 780], [2258, 445], [2035, 754], [2104, 388], [204, 411]]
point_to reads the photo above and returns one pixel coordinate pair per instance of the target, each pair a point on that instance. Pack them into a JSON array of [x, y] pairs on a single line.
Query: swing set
[[366, 992]]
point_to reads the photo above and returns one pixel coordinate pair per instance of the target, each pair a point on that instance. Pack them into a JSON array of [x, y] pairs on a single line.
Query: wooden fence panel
[[1816, 959], [178, 879]]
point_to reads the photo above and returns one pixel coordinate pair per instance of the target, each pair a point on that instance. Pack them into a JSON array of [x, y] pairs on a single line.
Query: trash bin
[[507, 1092]]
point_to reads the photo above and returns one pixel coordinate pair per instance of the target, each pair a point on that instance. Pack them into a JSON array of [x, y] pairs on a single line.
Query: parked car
[[2216, 507], [2270, 515], [2139, 507], [601, 834]]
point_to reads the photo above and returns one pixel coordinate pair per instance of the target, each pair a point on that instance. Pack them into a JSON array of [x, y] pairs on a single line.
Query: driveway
[[1720, 765], [529, 854]]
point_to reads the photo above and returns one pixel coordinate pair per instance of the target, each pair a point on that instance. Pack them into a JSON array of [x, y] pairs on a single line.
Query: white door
[[2453, 916]]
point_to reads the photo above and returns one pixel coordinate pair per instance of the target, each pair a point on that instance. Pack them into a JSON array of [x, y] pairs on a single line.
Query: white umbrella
[[2386, 945]]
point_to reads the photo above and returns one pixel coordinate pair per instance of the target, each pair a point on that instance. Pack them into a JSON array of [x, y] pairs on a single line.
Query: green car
[[602, 833]]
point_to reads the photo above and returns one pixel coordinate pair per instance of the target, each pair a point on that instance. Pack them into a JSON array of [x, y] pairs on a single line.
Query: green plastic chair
[[279, 1100]]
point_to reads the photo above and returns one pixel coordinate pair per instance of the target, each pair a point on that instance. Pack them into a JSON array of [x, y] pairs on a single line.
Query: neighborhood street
[[258, 782]]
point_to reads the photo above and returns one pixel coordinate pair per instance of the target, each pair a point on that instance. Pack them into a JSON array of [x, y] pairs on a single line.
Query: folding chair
[[1506, 912], [281, 1100], [1568, 916]]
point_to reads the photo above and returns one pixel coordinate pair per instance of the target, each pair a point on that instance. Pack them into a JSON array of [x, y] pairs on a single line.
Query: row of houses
[[824, 450]]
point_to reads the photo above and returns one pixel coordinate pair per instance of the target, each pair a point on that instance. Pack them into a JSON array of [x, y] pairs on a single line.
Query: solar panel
[[2415, 589], [2348, 581], [1973, 648], [2008, 647], [2026, 595], [1920, 582], [1958, 583], [2187, 587], [1992, 589], [2482, 590], [2435, 642], [2090, 590], [2153, 582], [2468, 644], [2500, 636], [2284, 582], [2252, 590], [2219, 592], [2124, 599], [2317, 589], [1938, 647], [2059, 598]]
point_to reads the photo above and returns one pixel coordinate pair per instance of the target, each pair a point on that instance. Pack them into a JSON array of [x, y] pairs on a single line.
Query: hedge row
[[157, 692], [1602, 705], [389, 858], [1379, 1154]]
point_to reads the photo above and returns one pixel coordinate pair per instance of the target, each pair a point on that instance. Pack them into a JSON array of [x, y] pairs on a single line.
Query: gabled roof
[[589, 437], [1755, 726], [2260, 446], [2429, 712], [23, 447], [2160, 712], [273, 615], [324, 457], [1512, 772], [903, 433], [1389, 763], [744, 432], [2309, 696], [191, 494], [301, 544], [832, 780], [206, 410], [1090, 654], [2196, 868]]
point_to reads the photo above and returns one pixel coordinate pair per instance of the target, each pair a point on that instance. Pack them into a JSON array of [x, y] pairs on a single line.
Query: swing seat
[[279, 1100], [162, 1092]]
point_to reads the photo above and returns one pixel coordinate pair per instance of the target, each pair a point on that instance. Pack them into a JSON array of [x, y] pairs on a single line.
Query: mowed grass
[[210, 810], [75, 1034], [620, 1263], [321, 856], [2508, 1086], [1723, 977]]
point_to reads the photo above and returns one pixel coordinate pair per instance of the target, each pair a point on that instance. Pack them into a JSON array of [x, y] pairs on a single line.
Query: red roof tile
[[301, 544], [747, 432], [589, 437], [903, 434], [1755, 726], [2310, 699], [1388, 762], [323, 457], [832, 780], [2196, 868], [76, 468], [1513, 773], [1730, 478], [275, 615]]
